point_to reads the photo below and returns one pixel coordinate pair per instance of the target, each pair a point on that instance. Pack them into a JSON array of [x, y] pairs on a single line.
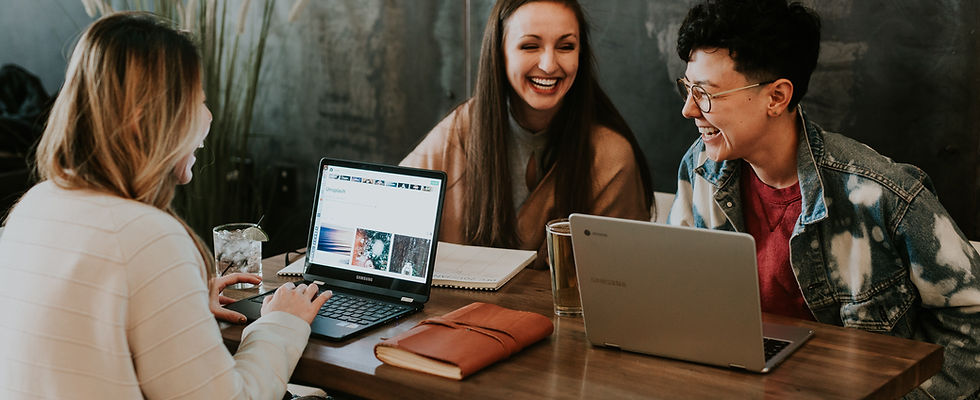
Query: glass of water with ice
[[238, 248]]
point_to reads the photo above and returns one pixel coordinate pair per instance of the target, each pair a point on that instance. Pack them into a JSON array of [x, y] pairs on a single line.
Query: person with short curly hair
[[844, 235]]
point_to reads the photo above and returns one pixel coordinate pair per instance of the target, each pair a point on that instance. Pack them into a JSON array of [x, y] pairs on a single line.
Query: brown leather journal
[[464, 341]]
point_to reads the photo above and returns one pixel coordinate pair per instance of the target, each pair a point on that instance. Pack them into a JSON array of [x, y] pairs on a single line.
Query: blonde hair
[[124, 117]]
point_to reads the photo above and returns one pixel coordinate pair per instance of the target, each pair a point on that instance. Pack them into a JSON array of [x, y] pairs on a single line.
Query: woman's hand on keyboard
[[300, 301], [216, 300]]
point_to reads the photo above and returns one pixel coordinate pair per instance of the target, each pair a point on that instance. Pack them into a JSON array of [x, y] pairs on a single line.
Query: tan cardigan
[[617, 188]]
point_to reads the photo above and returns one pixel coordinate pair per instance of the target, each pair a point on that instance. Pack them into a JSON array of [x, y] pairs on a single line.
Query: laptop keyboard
[[353, 309], [359, 310], [773, 346]]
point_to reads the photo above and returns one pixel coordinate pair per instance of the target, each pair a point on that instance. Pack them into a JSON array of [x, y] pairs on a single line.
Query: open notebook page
[[477, 267]]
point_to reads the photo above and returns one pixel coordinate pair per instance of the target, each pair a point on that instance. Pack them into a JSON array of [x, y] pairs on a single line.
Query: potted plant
[[232, 50]]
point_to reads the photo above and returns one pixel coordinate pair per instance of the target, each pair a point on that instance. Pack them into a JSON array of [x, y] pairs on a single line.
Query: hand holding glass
[[235, 250]]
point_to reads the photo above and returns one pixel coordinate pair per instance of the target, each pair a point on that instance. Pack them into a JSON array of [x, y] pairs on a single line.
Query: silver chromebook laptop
[[684, 293]]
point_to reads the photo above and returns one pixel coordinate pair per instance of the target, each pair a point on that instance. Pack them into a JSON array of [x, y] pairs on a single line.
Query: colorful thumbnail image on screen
[[377, 250], [336, 240], [371, 249], [409, 255]]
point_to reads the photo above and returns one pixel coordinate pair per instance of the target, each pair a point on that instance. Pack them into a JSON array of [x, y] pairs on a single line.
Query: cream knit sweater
[[104, 298]]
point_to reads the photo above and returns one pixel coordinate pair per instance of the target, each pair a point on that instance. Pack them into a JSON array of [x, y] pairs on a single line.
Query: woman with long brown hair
[[109, 293], [539, 139]]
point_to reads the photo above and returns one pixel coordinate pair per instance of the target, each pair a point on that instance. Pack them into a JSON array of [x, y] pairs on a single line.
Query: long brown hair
[[124, 117], [491, 217]]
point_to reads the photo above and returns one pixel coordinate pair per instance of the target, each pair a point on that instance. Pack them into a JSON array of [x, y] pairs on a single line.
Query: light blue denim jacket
[[872, 249]]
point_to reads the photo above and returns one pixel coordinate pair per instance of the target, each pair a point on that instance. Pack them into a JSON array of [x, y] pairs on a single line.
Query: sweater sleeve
[[176, 345]]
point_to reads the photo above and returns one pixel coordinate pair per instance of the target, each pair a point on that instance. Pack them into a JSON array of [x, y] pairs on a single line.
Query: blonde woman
[[108, 295]]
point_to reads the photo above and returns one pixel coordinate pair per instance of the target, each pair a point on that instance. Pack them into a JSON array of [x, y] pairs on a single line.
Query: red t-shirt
[[770, 215]]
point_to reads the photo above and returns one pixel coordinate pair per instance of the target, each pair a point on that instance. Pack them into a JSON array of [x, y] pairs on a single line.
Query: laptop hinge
[[407, 299]]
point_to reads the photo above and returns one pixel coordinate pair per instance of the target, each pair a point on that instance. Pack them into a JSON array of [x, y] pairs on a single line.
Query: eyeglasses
[[701, 97]]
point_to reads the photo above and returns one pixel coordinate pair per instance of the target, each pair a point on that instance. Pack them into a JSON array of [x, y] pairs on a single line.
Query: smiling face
[[201, 128], [541, 51], [737, 124]]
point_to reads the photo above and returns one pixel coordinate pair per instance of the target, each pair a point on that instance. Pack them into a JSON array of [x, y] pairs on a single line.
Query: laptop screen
[[375, 226]]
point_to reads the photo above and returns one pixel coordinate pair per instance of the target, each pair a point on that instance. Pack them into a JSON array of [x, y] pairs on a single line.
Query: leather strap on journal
[[508, 342]]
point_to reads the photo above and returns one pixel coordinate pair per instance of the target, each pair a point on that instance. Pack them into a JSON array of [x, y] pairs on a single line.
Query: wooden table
[[837, 363]]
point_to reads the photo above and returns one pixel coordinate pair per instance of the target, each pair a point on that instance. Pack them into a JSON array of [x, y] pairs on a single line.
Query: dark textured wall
[[366, 79], [354, 79], [903, 77], [38, 35]]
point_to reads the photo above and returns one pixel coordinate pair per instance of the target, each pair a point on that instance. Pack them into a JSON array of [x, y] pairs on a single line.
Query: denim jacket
[[872, 249]]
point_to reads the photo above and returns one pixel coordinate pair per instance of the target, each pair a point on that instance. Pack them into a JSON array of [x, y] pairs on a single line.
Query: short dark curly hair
[[767, 39]]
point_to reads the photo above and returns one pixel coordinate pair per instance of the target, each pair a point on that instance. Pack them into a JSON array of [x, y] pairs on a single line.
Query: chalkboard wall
[[366, 79]]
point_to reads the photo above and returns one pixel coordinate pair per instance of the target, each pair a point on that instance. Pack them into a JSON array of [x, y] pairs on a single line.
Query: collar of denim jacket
[[810, 149]]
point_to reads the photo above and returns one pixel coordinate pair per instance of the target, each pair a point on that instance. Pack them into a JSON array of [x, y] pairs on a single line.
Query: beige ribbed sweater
[[104, 298]]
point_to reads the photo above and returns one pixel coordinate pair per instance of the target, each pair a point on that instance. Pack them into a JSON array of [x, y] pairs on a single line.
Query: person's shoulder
[[137, 225], [462, 112], [445, 136], [840, 148], [131, 216], [87, 207], [114, 225], [454, 125], [610, 144], [851, 157]]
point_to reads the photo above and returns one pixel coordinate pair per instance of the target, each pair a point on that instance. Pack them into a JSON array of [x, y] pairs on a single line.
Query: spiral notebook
[[477, 267], [461, 266], [295, 268]]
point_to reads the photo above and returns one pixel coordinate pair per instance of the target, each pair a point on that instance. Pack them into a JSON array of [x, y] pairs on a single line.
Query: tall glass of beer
[[561, 263]]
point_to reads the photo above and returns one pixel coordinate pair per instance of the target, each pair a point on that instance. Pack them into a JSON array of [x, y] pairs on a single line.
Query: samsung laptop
[[683, 293], [372, 241]]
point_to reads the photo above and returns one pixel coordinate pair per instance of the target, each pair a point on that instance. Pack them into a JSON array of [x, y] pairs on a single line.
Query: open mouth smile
[[708, 133], [546, 85]]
